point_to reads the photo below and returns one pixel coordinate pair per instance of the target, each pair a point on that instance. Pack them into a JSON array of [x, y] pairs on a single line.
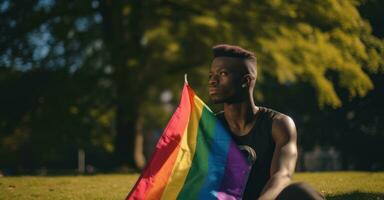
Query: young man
[[269, 138]]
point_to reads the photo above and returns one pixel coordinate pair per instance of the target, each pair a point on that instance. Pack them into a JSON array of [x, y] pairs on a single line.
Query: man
[[267, 136]]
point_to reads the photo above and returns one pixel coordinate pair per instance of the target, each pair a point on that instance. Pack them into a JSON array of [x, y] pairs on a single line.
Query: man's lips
[[213, 90]]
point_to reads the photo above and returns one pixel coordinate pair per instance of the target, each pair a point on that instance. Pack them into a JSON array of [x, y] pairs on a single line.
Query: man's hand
[[284, 157]]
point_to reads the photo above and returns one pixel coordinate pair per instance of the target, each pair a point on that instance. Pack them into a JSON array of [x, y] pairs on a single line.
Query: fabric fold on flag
[[195, 158]]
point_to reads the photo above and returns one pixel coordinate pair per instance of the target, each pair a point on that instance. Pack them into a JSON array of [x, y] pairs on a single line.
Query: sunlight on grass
[[335, 185], [67, 187], [346, 185]]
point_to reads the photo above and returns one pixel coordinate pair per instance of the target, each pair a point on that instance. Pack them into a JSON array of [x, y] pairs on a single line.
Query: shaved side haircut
[[226, 50]]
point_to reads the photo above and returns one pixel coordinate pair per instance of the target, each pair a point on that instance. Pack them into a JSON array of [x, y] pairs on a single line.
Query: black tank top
[[259, 146]]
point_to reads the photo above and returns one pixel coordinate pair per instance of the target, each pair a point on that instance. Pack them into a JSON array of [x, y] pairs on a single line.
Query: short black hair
[[226, 50]]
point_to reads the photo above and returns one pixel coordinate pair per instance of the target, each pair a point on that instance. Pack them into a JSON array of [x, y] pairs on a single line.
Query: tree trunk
[[129, 140], [122, 40]]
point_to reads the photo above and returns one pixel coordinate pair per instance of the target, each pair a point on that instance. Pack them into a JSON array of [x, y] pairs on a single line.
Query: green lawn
[[335, 185]]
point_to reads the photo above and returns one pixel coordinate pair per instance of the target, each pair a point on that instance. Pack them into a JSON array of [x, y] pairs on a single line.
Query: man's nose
[[213, 80]]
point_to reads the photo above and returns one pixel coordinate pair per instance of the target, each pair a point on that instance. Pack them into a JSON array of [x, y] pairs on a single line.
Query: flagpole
[[185, 79]]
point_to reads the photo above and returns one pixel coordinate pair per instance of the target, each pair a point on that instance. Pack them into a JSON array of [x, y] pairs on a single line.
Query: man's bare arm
[[284, 157]]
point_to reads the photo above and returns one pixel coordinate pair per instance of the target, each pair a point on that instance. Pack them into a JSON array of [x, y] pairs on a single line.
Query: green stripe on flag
[[199, 168]]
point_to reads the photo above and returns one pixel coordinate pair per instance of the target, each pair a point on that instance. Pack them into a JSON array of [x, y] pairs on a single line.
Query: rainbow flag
[[195, 158]]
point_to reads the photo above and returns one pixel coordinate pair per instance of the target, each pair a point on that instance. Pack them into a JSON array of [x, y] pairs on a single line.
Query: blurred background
[[88, 86]]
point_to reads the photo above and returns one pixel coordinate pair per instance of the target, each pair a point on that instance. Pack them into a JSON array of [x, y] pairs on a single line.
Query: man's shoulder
[[283, 127], [276, 115], [270, 111]]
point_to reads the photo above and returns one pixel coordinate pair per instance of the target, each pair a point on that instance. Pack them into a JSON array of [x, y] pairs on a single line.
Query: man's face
[[225, 80]]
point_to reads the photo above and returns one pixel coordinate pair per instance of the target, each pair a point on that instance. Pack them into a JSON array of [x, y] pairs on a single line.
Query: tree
[[144, 46]]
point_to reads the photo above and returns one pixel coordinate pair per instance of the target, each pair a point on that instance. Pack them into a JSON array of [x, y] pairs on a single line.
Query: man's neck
[[240, 116]]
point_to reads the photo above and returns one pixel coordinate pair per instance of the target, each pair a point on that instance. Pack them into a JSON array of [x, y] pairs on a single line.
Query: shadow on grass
[[356, 195]]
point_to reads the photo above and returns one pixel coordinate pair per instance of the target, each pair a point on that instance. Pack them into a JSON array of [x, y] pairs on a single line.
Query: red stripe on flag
[[153, 180]]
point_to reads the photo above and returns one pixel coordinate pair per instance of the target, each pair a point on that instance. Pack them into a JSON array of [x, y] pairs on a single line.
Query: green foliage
[[110, 61], [314, 39], [46, 119], [295, 41]]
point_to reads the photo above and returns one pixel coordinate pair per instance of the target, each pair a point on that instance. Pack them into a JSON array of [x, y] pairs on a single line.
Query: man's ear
[[248, 80]]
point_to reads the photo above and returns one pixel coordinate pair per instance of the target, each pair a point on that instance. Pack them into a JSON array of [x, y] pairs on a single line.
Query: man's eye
[[223, 73]]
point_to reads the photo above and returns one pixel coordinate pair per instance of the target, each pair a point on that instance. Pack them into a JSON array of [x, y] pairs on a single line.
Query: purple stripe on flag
[[236, 173]]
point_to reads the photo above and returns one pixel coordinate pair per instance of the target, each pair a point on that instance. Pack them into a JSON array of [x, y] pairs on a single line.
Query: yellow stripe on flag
[[186, 153]]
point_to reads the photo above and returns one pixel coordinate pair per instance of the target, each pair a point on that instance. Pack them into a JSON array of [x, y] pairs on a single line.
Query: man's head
[[233, 74]]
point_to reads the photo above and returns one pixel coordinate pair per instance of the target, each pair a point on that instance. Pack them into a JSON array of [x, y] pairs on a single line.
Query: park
[[87, 88]]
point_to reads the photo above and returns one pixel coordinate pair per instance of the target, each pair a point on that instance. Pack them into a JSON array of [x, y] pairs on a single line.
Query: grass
[[346, 185], [334, 185]]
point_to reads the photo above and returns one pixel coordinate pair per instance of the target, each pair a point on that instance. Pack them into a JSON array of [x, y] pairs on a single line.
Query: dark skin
[[231, 84]]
